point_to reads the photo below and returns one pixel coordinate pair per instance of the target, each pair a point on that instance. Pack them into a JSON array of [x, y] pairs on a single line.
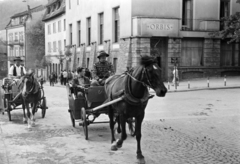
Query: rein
[[143, 83]]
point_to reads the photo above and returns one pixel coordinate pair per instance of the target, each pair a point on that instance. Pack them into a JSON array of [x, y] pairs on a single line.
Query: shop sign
[[160, 26]]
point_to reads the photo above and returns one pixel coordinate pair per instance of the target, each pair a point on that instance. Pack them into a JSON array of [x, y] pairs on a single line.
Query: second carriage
[[86, 108]]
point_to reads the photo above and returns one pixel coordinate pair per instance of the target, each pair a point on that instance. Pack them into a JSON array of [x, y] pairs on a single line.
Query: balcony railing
[[16, 42], [200, 25]]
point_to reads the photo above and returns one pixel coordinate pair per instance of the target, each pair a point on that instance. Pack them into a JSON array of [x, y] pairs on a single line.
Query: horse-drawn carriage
[[86, 108], [12, 98]]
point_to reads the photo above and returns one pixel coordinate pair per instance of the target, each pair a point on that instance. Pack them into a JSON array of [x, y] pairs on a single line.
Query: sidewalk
[[202, 84], [195, 84]]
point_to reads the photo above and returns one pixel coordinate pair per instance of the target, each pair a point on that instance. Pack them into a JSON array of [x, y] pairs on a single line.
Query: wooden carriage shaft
[[107, 104]]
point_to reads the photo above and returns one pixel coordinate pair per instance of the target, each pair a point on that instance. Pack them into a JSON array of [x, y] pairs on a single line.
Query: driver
[[16, 71], [102, 69]]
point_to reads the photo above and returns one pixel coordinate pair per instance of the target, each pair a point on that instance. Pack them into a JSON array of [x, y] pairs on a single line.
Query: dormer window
[[59, 4], [48, 10]]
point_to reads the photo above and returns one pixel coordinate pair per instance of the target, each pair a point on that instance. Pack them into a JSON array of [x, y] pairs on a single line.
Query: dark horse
[[31, 94], [134, 85]]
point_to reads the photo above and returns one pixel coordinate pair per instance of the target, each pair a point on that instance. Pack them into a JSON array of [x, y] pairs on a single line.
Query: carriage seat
[[95, 96]]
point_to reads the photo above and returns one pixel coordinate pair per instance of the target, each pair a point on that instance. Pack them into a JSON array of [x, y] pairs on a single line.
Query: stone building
[[19, 43], [170, 30], [55, 35]]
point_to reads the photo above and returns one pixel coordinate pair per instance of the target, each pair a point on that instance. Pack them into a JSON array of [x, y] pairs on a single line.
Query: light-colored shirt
[[65, 74], [176, 72], [18, 70]]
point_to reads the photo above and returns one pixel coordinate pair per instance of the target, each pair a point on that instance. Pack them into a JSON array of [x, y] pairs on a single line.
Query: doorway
[[159, 49]]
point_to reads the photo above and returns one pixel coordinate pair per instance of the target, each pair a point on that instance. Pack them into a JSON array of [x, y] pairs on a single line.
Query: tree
[[231, 27], [36, 36]]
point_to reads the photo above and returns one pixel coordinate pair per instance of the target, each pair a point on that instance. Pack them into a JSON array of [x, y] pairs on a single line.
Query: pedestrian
[[175, 76], [61, 77], [65, 75], [69, 76]]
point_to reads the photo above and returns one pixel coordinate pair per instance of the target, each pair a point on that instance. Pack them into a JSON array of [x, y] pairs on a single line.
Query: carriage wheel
[[8, 109], [44, 107], [131, 126], [72, 118], [84, 124]]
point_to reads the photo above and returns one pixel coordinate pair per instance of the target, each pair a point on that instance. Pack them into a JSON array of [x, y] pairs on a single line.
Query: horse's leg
[[28, 116], [119, 125], [138, 123], [34, 105], [124, 134], [24, 113], [111, 123]]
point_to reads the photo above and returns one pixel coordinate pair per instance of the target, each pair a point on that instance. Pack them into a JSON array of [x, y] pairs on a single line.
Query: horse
[[133, 84], [31, 94]]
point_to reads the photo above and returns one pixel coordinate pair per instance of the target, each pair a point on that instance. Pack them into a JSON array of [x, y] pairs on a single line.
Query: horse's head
[[152, 75], [28, 84]]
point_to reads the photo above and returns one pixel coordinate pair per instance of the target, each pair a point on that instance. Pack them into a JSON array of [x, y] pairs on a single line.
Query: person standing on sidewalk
[[65, 75], [175, 76]]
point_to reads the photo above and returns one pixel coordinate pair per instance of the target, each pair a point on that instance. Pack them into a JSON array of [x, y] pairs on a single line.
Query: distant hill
[[10, 7]]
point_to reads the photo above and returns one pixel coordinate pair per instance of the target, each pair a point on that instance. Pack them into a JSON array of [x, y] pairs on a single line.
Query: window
[[116, 24], [192, 52], [69, 4], [224, 11], [87, 62], [16, 51], [54, 27], [10, 37], [59, 45], [70, 34], [79, 33], [187, 13], [229, 54], [49, 29], [89, 30], [54, 46], [16, 36], [20, 51], [101, 28], [11, 51], [64, 25], [115, 63], [64, 43], [21, 36], [59, 26], [49, 47]]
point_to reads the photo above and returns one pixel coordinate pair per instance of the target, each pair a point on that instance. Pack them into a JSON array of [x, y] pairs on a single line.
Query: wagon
[[85, 109], [12, 97]]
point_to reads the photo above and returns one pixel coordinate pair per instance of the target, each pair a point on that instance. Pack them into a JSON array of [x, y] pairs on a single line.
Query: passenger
[[16, 71], [102, 69], [80, 82]]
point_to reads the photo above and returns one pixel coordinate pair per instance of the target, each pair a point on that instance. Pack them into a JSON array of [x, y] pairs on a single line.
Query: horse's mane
[[146, 60]]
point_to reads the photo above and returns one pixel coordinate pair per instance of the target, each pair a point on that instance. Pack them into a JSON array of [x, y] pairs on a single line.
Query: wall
[[55, 37]]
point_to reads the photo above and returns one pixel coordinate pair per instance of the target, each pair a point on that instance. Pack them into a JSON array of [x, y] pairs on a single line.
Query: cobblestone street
[[194, 127]]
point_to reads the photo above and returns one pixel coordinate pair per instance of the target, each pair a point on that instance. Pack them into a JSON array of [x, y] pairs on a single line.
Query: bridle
[[148, 84], [32, 87]]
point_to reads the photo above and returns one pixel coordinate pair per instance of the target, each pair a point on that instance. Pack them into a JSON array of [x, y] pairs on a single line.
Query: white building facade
[[55, 35]]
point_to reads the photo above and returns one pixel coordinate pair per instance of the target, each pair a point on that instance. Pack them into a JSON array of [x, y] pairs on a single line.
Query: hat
[[102, 53], [17, 59]]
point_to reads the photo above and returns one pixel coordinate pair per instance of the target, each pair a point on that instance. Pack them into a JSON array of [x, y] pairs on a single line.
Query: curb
[[199, 89]]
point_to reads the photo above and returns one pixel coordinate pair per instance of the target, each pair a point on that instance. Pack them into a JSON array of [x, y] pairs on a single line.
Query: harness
[[34, 88]]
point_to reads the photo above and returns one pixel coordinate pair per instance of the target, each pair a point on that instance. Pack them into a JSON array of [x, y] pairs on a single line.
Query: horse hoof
[[118, 144], [141, 161], [29, 126], [114, 147], [24, 120]]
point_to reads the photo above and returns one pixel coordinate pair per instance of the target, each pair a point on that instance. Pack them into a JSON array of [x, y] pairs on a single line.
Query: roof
[[61, 10], [35, 9]]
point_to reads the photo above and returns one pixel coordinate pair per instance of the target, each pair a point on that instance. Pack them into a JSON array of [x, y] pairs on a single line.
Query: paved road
[[186, 127]]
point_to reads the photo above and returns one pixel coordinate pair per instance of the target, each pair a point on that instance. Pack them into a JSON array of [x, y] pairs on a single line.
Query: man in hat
[[16, 70], [102, 69]]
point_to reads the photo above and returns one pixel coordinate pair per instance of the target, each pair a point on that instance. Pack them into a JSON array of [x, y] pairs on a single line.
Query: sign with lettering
[[160, 26], [155, 27]]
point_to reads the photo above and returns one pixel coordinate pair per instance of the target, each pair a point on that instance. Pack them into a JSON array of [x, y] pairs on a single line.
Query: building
[[172, 30], [3, 59], [20, 43], [55, 35]]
